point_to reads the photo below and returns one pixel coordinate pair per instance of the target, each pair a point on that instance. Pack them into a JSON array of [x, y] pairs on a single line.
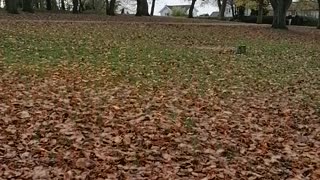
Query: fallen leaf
[[84, 163], [39, 172], [166, 156], [24, 114], [11, 129], [117, 139]]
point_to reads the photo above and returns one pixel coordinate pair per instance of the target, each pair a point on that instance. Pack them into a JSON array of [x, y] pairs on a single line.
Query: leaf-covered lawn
[[147, 101]]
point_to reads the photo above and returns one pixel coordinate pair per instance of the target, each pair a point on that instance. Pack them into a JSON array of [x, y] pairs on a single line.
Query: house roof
[[300, 6], [214, 13], [184, 7], [304, 6]]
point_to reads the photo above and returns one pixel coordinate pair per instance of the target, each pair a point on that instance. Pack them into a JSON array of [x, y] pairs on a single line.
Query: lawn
[[124, 100]]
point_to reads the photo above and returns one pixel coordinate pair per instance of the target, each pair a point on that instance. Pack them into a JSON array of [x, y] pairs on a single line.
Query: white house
[[228, 12], [308, 9], [167, 10]]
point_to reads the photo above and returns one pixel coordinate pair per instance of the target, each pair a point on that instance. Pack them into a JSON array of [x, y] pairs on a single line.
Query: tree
[[111, 8], [41, 4], [232, 5], [318, 14], [222, 8], [11, 6], [193, 2], [36, 4], [107, 7], [280, 8], [20, 3], [75, 7], [54, 4], [49, 6], [93, 4], [152, 7], [63, 5], [81, 7], [258, 8], [27, 6], [260, 11], [142, 8]]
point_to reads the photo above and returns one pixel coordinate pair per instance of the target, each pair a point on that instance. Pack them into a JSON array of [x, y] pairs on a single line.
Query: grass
[[116, 79], [148, 55]]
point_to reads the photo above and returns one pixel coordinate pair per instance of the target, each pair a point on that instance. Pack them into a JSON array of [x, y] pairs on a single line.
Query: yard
[[141, 100]]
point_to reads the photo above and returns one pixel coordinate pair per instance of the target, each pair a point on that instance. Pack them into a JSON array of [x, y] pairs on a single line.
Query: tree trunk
[[63, 5], [260, 12], [222, 8], [145, 8], [11, 6], [139, 7], [54, 4], [107, 7], [232, 10], [154, 4], [75, 4], [20, 3], [112, 6], [193, 2], [142, 8], [6, 4], [280, 8], [41, 4], [81, 8], [28, 6], [318, 14], [241, 12], [36, 4], [49, 7]]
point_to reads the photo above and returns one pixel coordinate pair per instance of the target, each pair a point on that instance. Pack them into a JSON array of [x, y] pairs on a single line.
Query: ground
[[129, 98]]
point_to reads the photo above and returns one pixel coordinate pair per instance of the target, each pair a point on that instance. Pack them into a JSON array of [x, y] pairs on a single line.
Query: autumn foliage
[[97, 100]]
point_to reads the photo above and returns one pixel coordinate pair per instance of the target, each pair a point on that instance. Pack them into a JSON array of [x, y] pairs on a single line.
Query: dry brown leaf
[[24, 114], [166, 156], [117, 139], [39, 172], [11, 129], [84, 163]]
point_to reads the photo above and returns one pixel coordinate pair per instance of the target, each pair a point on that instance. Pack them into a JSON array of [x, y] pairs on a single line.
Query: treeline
[[280, 7], [75, 6]]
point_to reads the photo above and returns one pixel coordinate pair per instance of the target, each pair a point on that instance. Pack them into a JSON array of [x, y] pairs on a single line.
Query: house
[[167, 10], [228, 12], [307, 9]]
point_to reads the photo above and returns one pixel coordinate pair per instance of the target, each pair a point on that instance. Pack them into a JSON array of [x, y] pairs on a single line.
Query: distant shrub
[[178, 12], [307, 21], [298, 20]]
